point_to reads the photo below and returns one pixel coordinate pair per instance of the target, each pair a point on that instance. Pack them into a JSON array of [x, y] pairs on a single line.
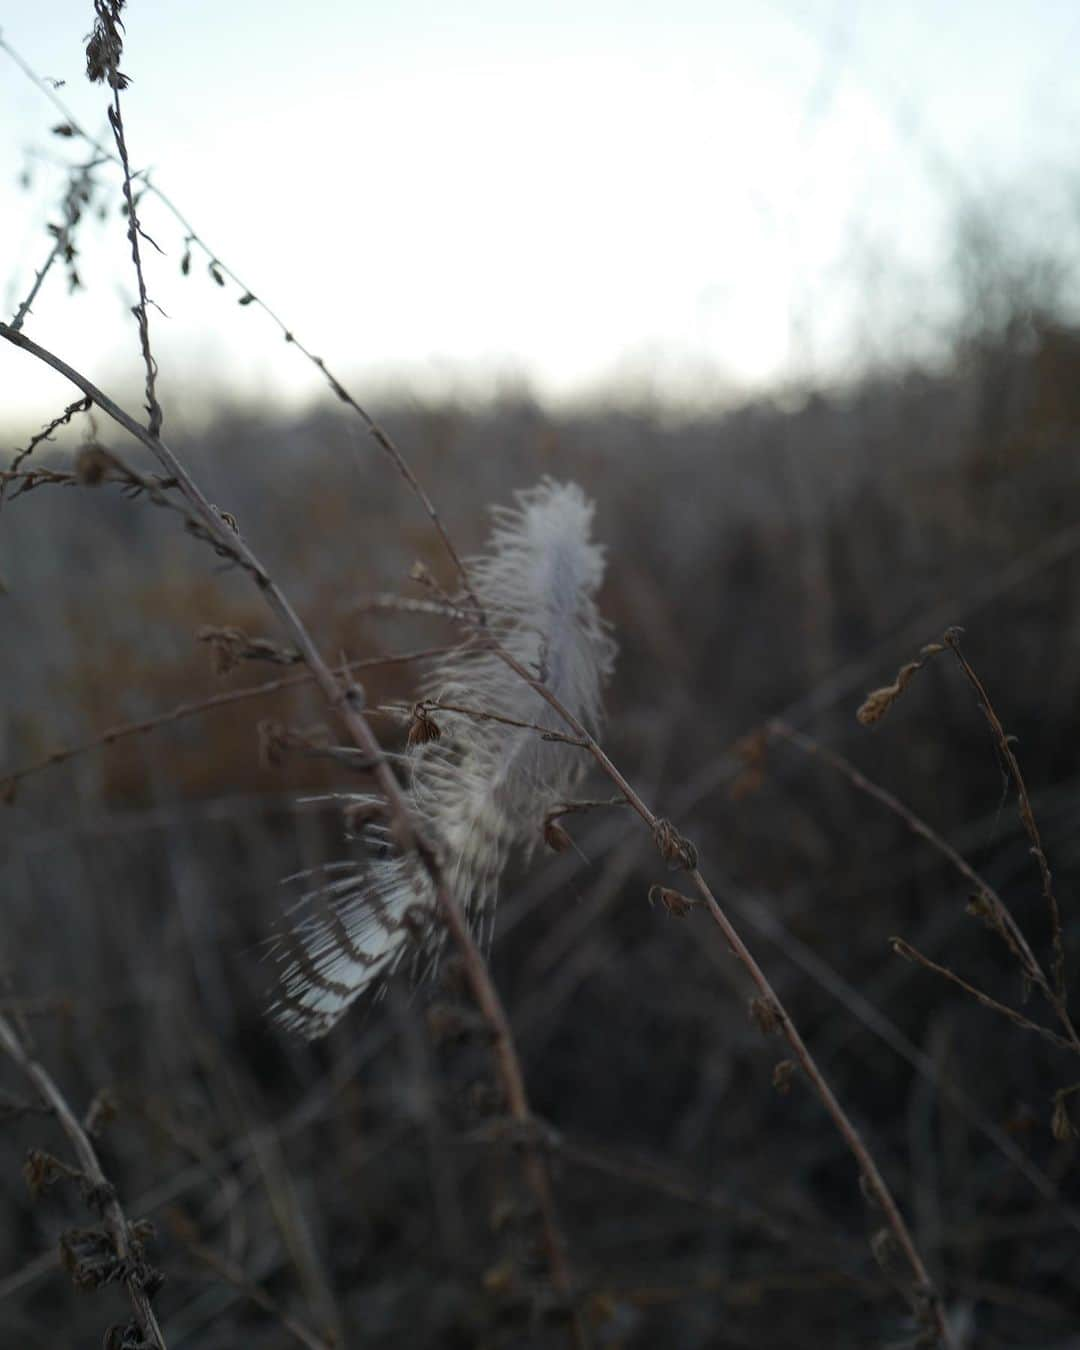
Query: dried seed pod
[[766, 1015], [422, 727], [676, 904], [878, 702], [783, 1073], [556, 838], [675, 850]]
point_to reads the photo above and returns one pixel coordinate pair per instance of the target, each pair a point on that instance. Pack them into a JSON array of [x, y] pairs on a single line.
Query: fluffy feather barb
[[481, 787]]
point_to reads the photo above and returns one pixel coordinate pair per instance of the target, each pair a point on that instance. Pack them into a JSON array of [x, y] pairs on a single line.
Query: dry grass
[[399, 1185]]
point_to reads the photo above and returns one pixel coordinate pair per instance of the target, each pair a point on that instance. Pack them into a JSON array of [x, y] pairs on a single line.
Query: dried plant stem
[[112, 1214], [925, 1300], [998, 912], [377, 432], [142, 317], [910, 953], [182, 711], [348, 703], [482, 715], [1027, 816], [64, 419], [58, 247]]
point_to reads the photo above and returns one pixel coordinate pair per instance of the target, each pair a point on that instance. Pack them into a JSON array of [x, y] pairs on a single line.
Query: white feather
[[483, 787]]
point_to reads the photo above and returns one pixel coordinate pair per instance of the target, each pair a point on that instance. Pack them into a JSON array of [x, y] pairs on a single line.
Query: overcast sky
[[701, 195]]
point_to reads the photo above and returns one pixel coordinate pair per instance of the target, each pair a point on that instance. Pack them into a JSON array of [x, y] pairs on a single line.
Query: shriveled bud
[[41, 1169], [879, 701], [766, 1015], [556, 838], [676, 904], [90, 1258], [782, 1076], [676, 851], [422, 727]]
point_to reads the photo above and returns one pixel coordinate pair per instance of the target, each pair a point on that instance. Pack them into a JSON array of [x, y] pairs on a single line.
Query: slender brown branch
[[758, 915], [925, 1300], [910, 953], [1027, 816], [192, 709], [116, 1224], [78, 193], [64, 419], [142, 315], [482, 715], [348, 703], [992, 907]]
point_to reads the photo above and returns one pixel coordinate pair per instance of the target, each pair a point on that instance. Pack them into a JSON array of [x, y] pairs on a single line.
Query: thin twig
[[103, 1192], [761, 917], [482, 715], [994, 908], [925, 1300], [910, 953], [142, 316], [64, 419], [192, 709], [1027, 816], [77, 187]]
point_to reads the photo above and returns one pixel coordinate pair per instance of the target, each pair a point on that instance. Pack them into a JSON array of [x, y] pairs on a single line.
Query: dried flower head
[[422, 728], [555, 836], [105, 45], [676, 904], [878, 702]]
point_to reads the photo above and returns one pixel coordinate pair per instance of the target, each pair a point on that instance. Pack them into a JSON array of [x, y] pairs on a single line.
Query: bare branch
[[1027, 816], [101, 1192]]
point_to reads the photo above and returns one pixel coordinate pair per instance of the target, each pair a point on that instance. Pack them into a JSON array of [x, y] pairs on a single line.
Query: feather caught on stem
[[480, 783]]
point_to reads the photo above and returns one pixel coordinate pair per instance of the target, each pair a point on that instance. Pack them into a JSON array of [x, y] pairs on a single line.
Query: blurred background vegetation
[[774, 554]]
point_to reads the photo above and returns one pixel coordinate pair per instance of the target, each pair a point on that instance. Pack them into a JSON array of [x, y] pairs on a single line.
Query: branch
[[101, 1192], [111, 735], [926, 1302], [1027, 816], [986, 902]]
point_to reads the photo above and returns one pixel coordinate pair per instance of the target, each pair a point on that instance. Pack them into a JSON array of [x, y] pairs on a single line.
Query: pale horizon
[[702, 201]]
